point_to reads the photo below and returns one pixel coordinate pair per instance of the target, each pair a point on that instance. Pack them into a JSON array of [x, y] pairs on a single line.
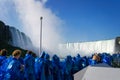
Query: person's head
[[69, 58], [78, 56], [28, 53], [96, 57], [47, 57], [42, 55], [3, 52], [55, 58], [16, 54]]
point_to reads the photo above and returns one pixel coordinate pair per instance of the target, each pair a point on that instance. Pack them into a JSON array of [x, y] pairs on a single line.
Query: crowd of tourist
[[32, 67]]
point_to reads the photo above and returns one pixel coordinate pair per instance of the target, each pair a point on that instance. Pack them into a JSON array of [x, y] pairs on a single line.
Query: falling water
[[88, 48], [19, 39]]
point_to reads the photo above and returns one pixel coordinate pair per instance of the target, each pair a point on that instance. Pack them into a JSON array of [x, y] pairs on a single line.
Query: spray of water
[[29, 13]]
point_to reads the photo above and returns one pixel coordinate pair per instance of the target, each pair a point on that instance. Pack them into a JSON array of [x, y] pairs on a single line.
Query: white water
[[87, 48], [20, 39]]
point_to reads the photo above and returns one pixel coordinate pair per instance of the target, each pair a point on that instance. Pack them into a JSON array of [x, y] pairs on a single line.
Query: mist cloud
[[29, 12], [5, 7]]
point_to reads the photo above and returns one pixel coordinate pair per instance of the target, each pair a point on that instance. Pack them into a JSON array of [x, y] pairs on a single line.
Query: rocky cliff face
[[5, 35], [14, 37]]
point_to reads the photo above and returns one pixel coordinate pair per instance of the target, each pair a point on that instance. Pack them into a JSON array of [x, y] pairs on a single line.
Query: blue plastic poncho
[[57, 75], [75, 66], [37, 68], [29, 67], [92, 62], [13, 70], [47, 68], [68, 68], [79, 62], [106, 58], [22, 68], [2, 61]]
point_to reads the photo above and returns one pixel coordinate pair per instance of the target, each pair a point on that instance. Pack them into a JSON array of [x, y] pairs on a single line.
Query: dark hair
[[29, 52], [34, 55], [16, 52], [3, 52]]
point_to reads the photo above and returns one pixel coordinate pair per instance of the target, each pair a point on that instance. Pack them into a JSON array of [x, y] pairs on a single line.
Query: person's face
[[18, 56]]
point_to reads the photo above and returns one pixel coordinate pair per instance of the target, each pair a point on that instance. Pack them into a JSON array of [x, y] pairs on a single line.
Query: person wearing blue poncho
[[92, 62], [14, 67], [41, 73], [75, 65], [68, 68], [3, 58], [106, 58], [37, 68], [48, 68], [84, 62], [79, 62], [4, 66], [22, 71], [56, 68], [29, 62], [95, 59]]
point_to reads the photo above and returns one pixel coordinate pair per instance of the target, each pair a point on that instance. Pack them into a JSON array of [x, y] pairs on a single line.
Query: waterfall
[[88, 48], [14, 37], [19, 39]]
